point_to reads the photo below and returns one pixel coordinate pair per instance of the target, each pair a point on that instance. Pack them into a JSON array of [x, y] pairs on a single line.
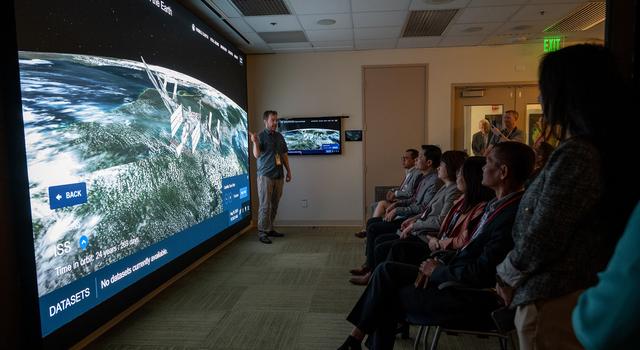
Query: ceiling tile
[[310, 22], [431, 41], [481, 3], [330, 35], [333, 49], [379, 19], [283, 23], [257, 50], [254, 38], [379, 5], [333, 44], [227, 8], [308, 7], [240, 25], [461, 40], [552, 12], [377, 33], [290, 45], [470, 29], [421, 5], [486, 14], [523, 27], [508, 40], [376, 44]]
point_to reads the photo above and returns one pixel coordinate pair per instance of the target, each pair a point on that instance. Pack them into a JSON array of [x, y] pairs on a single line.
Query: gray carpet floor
[[292, 294]]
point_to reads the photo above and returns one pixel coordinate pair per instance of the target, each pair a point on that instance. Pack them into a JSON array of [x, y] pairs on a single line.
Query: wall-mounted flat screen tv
[[312, 135], [135, 128]]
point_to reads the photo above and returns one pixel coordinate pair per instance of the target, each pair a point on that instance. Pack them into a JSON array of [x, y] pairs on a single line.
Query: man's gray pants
[[269, 193]]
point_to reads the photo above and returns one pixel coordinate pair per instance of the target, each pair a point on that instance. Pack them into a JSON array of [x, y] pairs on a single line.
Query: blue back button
[[67, 195]]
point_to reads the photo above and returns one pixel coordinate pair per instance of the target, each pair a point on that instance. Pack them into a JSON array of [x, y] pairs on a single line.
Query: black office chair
[[498, 324]]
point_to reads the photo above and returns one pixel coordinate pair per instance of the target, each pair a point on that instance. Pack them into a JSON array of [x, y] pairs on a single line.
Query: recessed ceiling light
[[521, 27], [472, 29], [326, 22]]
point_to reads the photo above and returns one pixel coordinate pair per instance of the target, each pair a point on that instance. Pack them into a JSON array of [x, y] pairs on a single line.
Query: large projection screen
[[135, 132]]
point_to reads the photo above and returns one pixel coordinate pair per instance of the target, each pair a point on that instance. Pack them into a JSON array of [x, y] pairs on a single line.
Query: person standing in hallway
[[270, 150], [481, 139], [509, 133]]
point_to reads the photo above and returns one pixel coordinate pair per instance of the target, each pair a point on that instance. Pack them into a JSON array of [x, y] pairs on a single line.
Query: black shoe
[[274, 233], [264, 239], [351, 344]]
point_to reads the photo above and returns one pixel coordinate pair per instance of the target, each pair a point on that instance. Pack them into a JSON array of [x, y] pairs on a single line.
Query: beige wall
[[317, 84]]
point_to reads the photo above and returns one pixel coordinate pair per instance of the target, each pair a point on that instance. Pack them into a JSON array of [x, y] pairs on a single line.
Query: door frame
[[365, 205], [488, 85]]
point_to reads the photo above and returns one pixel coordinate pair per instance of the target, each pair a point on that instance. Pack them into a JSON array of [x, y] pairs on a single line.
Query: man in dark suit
[[480, 140], [391, 296]]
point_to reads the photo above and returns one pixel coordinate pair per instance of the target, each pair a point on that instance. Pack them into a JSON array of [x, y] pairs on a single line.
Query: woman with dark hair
[[463, 216], [563, 229]]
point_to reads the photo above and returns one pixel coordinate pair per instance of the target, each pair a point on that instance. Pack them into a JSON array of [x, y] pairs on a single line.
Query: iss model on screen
[[312, 135], [136, 152]]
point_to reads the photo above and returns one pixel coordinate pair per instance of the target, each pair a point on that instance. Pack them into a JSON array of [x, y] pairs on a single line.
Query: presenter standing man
[[270, 150]]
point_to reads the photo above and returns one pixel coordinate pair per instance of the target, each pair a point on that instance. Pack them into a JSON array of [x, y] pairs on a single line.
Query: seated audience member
[[404, 191], [456, 228], [543, 152], [563, 231], [510, 131], [393, 295], [606, 316], [428, 161], [480, 140], [432, 217]]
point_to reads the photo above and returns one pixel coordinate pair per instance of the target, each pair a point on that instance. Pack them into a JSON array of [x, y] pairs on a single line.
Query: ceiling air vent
[[261, 7], [428, 23], [283, 37], [585, 17]]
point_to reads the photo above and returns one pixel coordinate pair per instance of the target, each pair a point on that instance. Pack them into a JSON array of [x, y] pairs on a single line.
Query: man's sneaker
[[274, 233], [264, 239]]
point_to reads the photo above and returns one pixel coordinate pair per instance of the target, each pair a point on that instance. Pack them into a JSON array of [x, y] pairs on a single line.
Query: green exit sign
[[552, 44]]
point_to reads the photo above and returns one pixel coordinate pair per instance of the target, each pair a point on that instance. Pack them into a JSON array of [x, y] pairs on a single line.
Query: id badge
[[278, 161]]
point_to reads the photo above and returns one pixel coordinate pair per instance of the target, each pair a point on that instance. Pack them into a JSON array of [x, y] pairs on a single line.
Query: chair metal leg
[[436, 337], [425, 337], [503, 343], [416, 342]]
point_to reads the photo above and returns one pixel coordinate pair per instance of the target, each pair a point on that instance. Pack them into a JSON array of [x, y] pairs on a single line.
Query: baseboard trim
[[354, 223]]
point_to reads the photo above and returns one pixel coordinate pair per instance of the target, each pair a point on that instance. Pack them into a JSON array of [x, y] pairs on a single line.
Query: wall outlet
[[304, 203]]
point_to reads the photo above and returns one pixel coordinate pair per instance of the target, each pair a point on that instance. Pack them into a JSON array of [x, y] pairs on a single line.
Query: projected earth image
[[310, 139], [151, 144]]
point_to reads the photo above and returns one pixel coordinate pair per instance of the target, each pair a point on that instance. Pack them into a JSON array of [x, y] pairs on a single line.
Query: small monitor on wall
[[319, 135]]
